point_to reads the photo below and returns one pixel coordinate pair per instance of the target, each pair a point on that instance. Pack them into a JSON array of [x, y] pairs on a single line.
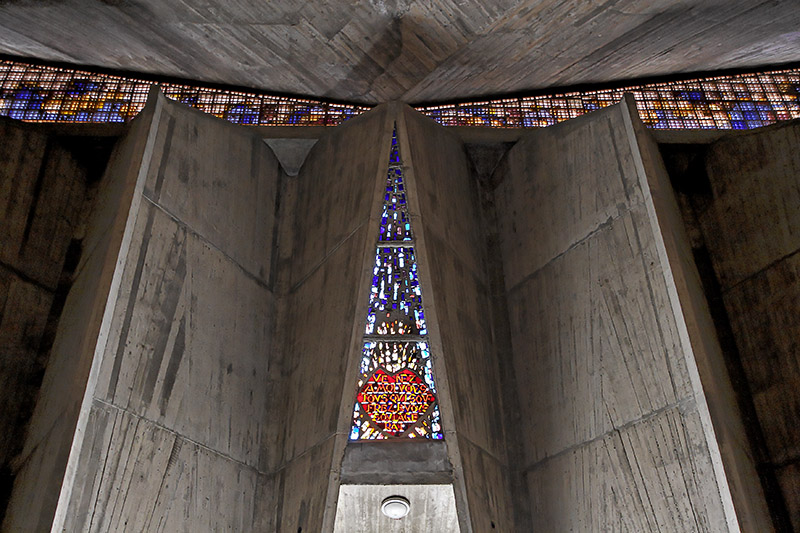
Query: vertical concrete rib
[[153, 117], [735, 473]]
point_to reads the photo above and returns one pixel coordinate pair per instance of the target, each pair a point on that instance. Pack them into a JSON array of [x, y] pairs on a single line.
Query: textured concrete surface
[[750, 223], [42, 196], [376, 51], [202, 374], [612, 431], [396, 462], [443, 202], [172, 311], [291, 153], [433, 508]]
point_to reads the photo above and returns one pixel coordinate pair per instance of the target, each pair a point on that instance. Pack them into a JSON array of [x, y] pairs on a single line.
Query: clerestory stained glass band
[[39, 93], [742, 101]]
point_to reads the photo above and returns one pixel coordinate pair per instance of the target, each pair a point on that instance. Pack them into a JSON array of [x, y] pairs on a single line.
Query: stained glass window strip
[[722, 102], [396, 396], [37, 93]]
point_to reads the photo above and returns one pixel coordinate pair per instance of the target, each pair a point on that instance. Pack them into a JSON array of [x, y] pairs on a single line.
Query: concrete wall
[[327, 273], [203, 372], [446, 217], [614, 422], [170, 322], [42, 195], [40, 466], [749, 220]]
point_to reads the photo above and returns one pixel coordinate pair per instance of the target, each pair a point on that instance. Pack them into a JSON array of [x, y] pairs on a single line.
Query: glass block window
[[396, 387]]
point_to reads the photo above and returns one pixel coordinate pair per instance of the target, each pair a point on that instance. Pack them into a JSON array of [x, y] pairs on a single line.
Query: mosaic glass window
[[40, 93], [396, 387], [722, 102]]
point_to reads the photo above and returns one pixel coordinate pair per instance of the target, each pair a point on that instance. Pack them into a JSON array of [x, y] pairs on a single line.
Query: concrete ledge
[[384, 463]]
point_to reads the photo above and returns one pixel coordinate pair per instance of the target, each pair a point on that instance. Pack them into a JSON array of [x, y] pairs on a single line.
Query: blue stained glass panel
[[397, 389], [395, 301], [395, 222]]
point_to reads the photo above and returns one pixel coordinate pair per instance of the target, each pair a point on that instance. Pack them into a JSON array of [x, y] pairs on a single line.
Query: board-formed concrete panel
[[177, 273], [219, 180], [373, 52], [170, 483], [594, 257], [591, 182], [193, 341], [645, 477], [591, 320], [451, 249]]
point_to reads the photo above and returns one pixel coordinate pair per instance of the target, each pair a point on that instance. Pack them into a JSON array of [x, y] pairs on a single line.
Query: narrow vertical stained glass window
[[396, 386]]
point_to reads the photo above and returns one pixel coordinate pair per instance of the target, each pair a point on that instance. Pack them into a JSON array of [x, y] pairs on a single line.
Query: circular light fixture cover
[[395, 507]]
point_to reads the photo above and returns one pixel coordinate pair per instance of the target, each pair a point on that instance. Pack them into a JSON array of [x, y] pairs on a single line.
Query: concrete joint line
[[180, 436], [103, 470], [210, 244], [481, 448], [305, 452], [760, 271], [27, 279], [596, 230], [418, 222], [325, 258], [683, 405]]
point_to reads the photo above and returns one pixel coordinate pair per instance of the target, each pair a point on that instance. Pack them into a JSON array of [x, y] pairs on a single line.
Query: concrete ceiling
[[418, 51]]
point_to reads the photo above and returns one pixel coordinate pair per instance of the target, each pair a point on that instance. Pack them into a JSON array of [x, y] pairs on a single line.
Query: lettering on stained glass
[[394, 402], [397, 390]]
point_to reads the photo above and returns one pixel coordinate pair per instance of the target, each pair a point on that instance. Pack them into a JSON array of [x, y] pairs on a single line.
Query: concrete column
[[608, 333], [154, 407], [328, 269], [749, 220], [451, 250], [737, 478]]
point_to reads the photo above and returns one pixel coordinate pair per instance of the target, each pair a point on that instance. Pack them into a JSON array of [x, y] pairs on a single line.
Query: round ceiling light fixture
[[395, 507]]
